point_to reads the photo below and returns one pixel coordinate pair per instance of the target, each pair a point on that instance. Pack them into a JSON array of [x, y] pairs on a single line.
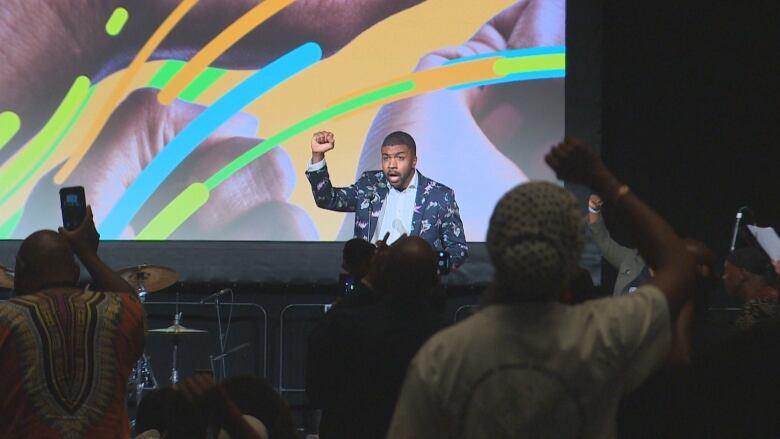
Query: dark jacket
[[632, 270], [356, 363]]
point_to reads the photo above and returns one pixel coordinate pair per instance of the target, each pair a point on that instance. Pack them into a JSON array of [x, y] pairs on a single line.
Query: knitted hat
[[535, 239]]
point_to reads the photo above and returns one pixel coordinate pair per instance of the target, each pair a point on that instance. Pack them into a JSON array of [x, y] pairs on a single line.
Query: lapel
[[381, 187], [419, 202]]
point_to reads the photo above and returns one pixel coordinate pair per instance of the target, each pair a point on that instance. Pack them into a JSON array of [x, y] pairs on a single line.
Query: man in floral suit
[[396, 200]]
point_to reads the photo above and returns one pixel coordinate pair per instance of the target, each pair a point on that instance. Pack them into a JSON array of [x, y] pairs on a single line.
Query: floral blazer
[[436, 216]]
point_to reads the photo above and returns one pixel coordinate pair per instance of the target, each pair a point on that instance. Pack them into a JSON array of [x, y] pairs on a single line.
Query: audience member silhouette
[[356, 257], [357, 287], [169, 414], [660, 406], [255, 397], [748, 274], [358, 356], [197, 408]]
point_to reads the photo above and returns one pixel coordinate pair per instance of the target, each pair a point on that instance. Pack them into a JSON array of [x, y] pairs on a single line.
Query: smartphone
[[346, 284], [444, 263], [73, 204]]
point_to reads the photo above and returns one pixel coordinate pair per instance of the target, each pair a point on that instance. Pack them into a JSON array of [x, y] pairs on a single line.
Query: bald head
[[410, 268], [44, 259]]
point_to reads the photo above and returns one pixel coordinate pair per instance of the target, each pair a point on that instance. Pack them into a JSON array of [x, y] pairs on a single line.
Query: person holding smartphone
[[66, 352]]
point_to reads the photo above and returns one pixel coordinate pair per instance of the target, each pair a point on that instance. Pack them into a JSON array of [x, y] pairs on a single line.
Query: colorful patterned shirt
[[762, 307], [65, 357]]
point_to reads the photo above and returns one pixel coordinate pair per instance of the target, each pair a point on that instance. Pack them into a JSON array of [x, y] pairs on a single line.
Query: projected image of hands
[[190, 120]]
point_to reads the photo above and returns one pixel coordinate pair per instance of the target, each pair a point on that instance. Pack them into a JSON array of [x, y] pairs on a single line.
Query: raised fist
[[575, 162], [595, 202], [322, 142]]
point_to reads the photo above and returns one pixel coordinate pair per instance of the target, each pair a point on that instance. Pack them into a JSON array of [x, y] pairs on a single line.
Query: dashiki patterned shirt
[[65, 357]]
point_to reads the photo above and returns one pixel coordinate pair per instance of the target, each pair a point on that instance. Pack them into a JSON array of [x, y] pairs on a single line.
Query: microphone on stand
[[737, 224], [219, 293], [370, 212]]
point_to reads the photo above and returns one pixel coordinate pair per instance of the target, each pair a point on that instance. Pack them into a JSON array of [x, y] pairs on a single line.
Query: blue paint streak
[[199, 129], [528, 76], [515, 53]]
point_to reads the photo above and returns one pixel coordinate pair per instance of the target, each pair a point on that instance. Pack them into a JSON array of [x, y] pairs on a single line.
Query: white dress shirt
[[316, 166], [397, 211]]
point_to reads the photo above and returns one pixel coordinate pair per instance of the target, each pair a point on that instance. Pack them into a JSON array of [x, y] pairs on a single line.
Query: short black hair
[[751, 259], [170, 413], [254, 396], [357, 251], [400, 138]]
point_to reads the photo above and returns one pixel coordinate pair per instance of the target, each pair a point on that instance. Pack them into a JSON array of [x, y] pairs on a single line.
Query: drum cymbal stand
[[142, 376]]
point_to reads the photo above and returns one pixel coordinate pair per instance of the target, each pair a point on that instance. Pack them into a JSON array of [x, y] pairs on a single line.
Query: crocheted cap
[[535, 239]]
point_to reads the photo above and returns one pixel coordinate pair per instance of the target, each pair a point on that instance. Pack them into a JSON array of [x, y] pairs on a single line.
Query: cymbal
[[176, 330], [151, 277], [6, 277]]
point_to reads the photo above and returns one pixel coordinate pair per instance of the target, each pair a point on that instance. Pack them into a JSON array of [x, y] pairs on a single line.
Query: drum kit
[[147, 279]]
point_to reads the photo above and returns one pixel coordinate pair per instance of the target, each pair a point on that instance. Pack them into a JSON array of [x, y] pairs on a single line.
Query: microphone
[[370, 212], [736, 225], [219, 293]]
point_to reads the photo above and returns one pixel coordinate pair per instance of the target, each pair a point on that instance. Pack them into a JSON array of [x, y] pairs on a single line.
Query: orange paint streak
[[122, 86], [216, 47], [429, 80]]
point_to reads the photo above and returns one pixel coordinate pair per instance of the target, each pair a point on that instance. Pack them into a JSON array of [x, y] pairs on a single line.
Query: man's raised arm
[[660, 247], [613, 252], [325, 195], [84, 242]]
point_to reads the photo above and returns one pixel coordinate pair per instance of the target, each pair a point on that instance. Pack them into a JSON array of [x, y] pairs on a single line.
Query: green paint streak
[[201, 84], [37, 147], [163, 76], [192, 199], [507, 66], [51, 149], [175, 213], [337, 110], [10, 225], [9, 126], [196, 87], [117, 21]]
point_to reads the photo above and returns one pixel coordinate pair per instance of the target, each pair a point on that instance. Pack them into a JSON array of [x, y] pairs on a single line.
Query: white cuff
[[316, 166]]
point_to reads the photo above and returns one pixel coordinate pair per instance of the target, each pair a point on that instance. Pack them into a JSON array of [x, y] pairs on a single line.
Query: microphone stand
[[221, 355], [370, 212]]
